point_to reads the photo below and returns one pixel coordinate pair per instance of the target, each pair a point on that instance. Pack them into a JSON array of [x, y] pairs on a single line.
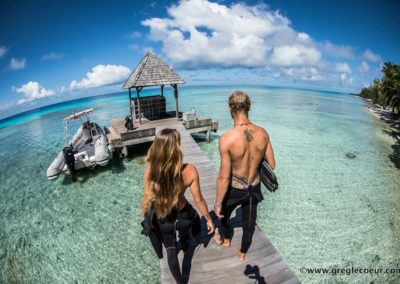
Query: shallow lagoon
[[330, 211]]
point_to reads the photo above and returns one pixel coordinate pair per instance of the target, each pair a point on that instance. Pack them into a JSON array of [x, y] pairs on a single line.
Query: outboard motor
[[128, 123], [69, 159]]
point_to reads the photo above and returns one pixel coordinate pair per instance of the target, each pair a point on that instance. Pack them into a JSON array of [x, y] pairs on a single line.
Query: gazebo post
[[162, 90], [175, 86], [130, 102], [138, 89]]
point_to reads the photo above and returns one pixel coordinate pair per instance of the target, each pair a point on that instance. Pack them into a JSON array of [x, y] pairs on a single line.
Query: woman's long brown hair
[[165, 179]]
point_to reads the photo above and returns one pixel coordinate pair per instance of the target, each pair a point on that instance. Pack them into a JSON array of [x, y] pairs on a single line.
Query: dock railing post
[[130, 102], [138, 89], [175, 86]]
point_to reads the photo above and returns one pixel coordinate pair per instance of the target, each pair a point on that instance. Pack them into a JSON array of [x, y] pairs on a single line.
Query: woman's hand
[[210, 227]]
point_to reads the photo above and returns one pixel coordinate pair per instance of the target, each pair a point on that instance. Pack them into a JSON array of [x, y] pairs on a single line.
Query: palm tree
[[391, 85], [386, 91], [376, 93]]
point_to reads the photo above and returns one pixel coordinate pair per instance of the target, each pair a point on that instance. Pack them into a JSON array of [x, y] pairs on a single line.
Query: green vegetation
[[385, 92]]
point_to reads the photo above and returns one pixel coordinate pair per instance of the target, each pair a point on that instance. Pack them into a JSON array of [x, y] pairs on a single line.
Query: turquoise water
[[329, 212]]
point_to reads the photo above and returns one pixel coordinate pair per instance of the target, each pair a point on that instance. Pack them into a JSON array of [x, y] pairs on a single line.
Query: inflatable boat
[[87, 148]]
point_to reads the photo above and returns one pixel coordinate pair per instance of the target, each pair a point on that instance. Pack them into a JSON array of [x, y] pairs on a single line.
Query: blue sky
[[52, 51]]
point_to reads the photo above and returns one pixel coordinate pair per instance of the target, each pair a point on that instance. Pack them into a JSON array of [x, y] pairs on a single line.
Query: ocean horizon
[[330, 211], [19, 117]]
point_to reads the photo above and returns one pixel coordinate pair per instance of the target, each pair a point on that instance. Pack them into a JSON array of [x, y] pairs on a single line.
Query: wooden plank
[[147, 127], [136, 141], [210, 263]]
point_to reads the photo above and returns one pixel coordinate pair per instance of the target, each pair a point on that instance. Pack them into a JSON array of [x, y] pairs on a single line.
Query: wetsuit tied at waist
[[248, 198]]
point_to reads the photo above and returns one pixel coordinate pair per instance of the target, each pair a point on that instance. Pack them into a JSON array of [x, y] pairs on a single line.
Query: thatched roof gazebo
[[152, 71]]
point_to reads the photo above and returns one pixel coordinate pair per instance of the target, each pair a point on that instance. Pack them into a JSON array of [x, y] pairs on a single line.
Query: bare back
[[190, 180], [247, 150], [242, 149]]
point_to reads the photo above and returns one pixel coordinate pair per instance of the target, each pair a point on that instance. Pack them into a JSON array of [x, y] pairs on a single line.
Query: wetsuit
[[187, 223], [70, 161], [247, 195]]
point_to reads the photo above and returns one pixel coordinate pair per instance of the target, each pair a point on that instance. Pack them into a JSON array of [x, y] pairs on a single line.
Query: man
[[69, 159], [242, 149]]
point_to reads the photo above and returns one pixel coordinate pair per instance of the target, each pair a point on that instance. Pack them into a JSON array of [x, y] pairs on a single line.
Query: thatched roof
[[152, 71]]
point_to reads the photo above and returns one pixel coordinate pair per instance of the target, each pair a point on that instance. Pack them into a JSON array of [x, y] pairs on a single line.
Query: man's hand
[[218, 212]]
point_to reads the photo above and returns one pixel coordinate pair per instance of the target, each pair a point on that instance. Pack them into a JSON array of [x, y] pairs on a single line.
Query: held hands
[[218, 211], [210, 226]]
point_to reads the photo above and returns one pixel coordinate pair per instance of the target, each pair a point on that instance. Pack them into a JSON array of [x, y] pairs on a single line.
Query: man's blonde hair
[[239, 102]]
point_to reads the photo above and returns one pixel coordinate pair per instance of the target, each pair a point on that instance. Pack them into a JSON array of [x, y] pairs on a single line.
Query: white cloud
[[303, 73], [32, 91], [101, 75], [370, 56], [200, 33], [53, 56], [338, 51], [343, 67], [345, 80], [62, 89], [303, 37], [17, 63], [296, 55], [364, 67], [208, 34], [3, 51]]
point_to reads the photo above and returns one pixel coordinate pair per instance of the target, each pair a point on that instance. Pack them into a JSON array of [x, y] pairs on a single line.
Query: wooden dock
[[119, 137], [209, 263]]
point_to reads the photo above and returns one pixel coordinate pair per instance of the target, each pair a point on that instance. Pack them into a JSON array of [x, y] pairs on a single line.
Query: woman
[[165, 181]]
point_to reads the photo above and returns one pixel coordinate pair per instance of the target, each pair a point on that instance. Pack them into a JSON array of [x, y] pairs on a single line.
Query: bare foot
[[240, 254], [220, 241]]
